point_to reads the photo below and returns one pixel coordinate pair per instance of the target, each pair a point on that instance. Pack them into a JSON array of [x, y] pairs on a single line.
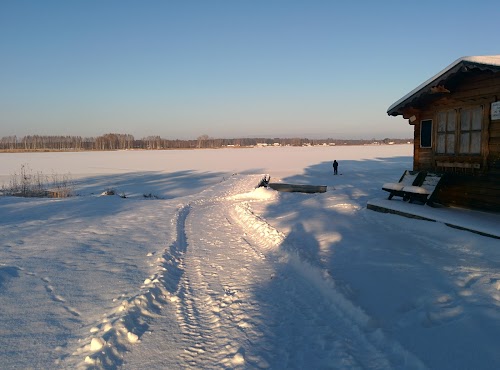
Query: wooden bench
[[425, 190], [409, 178]]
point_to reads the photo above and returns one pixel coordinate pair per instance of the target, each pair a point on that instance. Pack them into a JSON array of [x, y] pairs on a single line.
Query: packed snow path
[[229, 270], [233, 317]]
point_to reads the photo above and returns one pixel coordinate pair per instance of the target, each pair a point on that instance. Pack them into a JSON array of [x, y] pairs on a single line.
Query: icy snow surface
[[209, 272]]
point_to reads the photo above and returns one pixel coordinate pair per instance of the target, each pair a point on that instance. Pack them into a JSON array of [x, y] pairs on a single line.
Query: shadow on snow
[[409, 277]]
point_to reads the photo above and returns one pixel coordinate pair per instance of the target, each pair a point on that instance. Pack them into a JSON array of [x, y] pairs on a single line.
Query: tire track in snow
[[244, 303], [210, 314]]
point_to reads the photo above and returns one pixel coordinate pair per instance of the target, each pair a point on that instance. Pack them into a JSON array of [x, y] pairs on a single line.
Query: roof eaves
[[486, 62]]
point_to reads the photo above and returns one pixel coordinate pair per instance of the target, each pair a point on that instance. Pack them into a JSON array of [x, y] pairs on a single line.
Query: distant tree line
[[125, 141]]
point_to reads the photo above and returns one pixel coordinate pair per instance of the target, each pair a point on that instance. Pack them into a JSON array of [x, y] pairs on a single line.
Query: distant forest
[[125, 141]]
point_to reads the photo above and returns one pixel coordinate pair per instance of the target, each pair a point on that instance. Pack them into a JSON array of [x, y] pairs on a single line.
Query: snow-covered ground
[[209, 272]]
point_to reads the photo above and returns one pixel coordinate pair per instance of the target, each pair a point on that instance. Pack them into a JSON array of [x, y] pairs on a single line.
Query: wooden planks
[[475, 192]]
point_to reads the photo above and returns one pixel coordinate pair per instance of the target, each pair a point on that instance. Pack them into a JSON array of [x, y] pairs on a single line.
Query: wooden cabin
[[456, 119]]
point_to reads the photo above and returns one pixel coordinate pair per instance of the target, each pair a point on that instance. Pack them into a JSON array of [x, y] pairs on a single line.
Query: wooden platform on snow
[[298, 188]]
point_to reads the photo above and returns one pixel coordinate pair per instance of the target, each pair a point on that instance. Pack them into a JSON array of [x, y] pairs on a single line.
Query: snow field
[[213, 273]]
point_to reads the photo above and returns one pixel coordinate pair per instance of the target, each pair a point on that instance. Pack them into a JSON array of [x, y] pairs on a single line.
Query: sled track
[[231, 317]]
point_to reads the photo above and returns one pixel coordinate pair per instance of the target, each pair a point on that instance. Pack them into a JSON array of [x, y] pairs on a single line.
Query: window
[[470, 130], [459, 131], [447, 122], [426, 133]]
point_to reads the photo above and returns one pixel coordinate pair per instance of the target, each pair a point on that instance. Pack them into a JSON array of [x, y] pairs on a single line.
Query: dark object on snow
[[335, 167], [264, 181], [298, 188]]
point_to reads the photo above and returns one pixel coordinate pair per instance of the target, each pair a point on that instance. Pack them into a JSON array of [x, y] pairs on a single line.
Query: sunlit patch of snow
[[326, 242], [345, 208], [96, 344], [238, 360], [261, 193]]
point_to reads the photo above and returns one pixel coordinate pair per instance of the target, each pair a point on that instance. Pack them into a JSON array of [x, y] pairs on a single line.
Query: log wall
[[471, 181]]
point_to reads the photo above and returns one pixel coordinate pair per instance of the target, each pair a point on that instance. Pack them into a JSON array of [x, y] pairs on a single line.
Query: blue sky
[[181, 69]]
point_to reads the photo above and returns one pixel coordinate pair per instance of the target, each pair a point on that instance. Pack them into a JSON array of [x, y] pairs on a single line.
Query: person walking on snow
[[335, 166]]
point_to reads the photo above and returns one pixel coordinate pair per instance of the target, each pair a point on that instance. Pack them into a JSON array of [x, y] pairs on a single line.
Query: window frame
[[447, 133], [427, 132], [471, 130]]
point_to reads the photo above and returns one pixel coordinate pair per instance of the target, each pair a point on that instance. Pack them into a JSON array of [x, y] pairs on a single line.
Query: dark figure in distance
[[335, 166]]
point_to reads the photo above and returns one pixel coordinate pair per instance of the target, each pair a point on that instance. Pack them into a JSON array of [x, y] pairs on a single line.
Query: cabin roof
[[464, 64]]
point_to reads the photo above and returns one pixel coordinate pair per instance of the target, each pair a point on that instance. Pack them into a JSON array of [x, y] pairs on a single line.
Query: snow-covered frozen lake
[[209, 272]]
